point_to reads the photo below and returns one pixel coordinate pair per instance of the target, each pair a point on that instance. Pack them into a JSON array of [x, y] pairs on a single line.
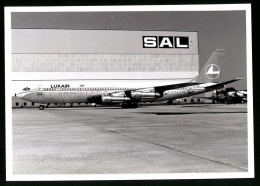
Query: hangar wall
[[108, 52], [103, 63]]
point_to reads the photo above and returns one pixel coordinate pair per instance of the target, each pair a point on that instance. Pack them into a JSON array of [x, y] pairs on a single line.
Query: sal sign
[[165, 42]]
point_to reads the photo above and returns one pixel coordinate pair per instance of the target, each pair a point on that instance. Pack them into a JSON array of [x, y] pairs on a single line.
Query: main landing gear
[[41, 107], [129, 105]]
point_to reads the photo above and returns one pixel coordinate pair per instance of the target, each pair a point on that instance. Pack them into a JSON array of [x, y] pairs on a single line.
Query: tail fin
[[212, 69]]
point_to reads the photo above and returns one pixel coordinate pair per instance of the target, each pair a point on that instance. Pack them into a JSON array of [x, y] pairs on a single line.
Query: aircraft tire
[[41, 107], [129, 105], [135, 105]]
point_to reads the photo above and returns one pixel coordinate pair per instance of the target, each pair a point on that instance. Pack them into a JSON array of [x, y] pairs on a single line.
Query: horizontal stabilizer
[[221, 85]]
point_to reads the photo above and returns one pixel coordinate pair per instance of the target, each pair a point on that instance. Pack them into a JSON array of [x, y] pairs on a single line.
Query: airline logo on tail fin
[[212, 71]]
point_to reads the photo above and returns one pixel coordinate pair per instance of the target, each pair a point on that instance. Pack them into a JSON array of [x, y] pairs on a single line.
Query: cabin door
[[39, 90]]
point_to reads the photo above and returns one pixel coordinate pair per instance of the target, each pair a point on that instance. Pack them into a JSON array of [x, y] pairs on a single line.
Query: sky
[[216, 30]]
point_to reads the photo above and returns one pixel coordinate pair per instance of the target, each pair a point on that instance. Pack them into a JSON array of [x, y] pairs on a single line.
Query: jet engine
[[130, 97], [114, 99], [107, 99], [144, 95]]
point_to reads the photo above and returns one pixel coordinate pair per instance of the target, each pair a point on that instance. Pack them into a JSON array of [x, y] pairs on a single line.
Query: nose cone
[[19, 95], [22, 95], [231, 94], [26, 95], [240, 94]]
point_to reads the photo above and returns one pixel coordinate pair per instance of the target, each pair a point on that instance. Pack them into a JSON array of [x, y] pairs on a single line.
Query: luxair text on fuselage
[[60, 86]]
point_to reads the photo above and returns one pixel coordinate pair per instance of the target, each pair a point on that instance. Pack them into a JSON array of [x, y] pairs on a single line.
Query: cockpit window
[[26, 88]]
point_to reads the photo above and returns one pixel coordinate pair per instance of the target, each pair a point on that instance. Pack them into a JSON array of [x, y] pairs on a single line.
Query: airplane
[[130, 97], [229, 96]]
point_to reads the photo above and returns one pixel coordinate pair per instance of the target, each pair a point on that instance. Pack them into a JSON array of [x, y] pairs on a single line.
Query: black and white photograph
[[128, 92]]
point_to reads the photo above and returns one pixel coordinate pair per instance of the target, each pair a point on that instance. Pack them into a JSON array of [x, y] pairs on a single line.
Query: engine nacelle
[[145, 95], [114, 99], [106, 99]]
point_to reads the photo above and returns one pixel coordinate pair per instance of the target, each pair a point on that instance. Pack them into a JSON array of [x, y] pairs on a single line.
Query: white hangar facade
[[105, 54]]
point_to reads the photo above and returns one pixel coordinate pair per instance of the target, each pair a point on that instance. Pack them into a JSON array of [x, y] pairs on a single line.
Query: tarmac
[[196, 138]]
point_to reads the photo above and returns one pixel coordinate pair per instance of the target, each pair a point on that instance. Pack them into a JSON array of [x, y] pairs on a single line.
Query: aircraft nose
[[19, 95], [239, 94]]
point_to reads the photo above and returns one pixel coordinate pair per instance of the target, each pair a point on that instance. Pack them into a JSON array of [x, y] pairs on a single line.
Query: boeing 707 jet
[[129, 97]]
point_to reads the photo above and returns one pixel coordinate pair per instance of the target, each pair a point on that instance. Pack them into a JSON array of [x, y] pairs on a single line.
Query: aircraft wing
[[161, 89], [128, 93], [211, 98], [221, 85]]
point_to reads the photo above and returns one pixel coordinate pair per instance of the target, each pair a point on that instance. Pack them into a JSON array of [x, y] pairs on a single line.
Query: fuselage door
[[39, 90]]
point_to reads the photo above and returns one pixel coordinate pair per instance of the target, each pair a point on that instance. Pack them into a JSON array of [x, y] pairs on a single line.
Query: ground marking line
[[197, 156]]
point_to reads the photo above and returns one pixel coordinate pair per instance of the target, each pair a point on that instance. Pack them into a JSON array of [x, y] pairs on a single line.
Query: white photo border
[[44, 177]]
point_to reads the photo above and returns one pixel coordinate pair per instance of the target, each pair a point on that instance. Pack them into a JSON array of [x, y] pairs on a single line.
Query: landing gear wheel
[[41, 107], [129, 105], [134, 105]]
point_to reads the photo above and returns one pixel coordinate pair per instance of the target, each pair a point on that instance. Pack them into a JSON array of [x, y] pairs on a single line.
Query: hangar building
[[158, 57], [111, 52]]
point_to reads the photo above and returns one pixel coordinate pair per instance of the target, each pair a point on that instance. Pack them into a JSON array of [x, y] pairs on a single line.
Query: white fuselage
[[83, 94]]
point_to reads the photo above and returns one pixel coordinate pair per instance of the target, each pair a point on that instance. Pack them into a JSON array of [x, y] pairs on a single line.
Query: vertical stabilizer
[[212, 69]]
